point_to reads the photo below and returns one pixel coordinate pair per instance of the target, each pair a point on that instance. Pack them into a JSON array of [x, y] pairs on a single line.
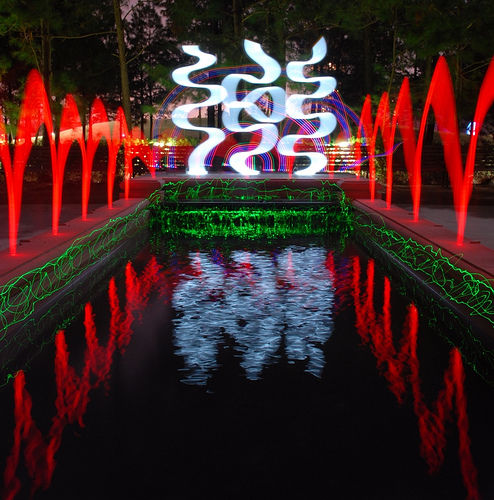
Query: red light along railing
[[35, 112], [442, 101]]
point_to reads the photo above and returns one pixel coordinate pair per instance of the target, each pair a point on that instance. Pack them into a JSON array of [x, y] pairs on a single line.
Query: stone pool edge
[[30, 278], [457, 290]]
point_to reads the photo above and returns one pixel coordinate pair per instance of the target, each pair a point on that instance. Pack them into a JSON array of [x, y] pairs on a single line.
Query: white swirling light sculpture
[[233, 107], [327, 121], [180, 115]]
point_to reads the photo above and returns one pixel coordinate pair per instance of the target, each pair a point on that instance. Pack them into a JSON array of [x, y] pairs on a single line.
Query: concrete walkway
[[436, 227], [480, 221], [36, 243]]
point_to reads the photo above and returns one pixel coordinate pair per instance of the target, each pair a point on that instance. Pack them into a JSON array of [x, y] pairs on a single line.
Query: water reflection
[[263, 305], [402, 368], [263, 302], [73, 390]]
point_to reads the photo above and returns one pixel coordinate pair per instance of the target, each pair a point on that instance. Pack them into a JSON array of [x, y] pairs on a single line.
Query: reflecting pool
[[292, 369]]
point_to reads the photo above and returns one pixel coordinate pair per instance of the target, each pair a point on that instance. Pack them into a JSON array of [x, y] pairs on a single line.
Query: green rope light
[[220, 208], [468, 290], [19, 297], [37, 331], [249, 223], [258, 191], [458, 285]]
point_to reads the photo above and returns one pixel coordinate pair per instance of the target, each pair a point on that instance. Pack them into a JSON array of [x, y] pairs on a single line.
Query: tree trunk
[[46, 56], [124, 77], [367, 54], [238, 25], [427, 78]]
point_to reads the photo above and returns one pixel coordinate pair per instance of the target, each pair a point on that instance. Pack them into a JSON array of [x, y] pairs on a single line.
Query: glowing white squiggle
[[180, 114], [231, 113], [295, 71]]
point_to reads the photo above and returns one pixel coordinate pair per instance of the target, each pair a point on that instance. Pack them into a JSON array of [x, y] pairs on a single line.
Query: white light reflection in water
[[262, 301]]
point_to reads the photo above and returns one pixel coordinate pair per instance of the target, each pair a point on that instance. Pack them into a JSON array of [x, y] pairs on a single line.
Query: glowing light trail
[[327, 121], [180, 115], [272, 71]]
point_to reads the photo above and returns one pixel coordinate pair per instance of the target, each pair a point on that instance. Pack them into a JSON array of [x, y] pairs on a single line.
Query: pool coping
[[470, 256], [43, 247], [454, 286], [41, 274]]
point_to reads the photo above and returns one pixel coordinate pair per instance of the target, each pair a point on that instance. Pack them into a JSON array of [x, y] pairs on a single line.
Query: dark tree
[[153, 57]]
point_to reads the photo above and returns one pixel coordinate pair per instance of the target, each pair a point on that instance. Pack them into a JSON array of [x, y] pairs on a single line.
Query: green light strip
[[242, 190], [19, 297], [40, 329], [250, 222], [458, 285], [439, 316], [263, 220]]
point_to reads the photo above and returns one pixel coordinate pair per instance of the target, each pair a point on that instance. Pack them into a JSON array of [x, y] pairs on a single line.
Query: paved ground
[[436, 206], [480, 221], [36, 219], [36, 243]]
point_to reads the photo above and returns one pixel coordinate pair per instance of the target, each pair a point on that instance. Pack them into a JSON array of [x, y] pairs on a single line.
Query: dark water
[[221, 372]]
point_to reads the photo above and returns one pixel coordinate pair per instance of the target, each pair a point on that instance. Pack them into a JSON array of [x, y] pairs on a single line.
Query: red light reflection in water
[[73, 390], [400, 368], [342, 282]]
